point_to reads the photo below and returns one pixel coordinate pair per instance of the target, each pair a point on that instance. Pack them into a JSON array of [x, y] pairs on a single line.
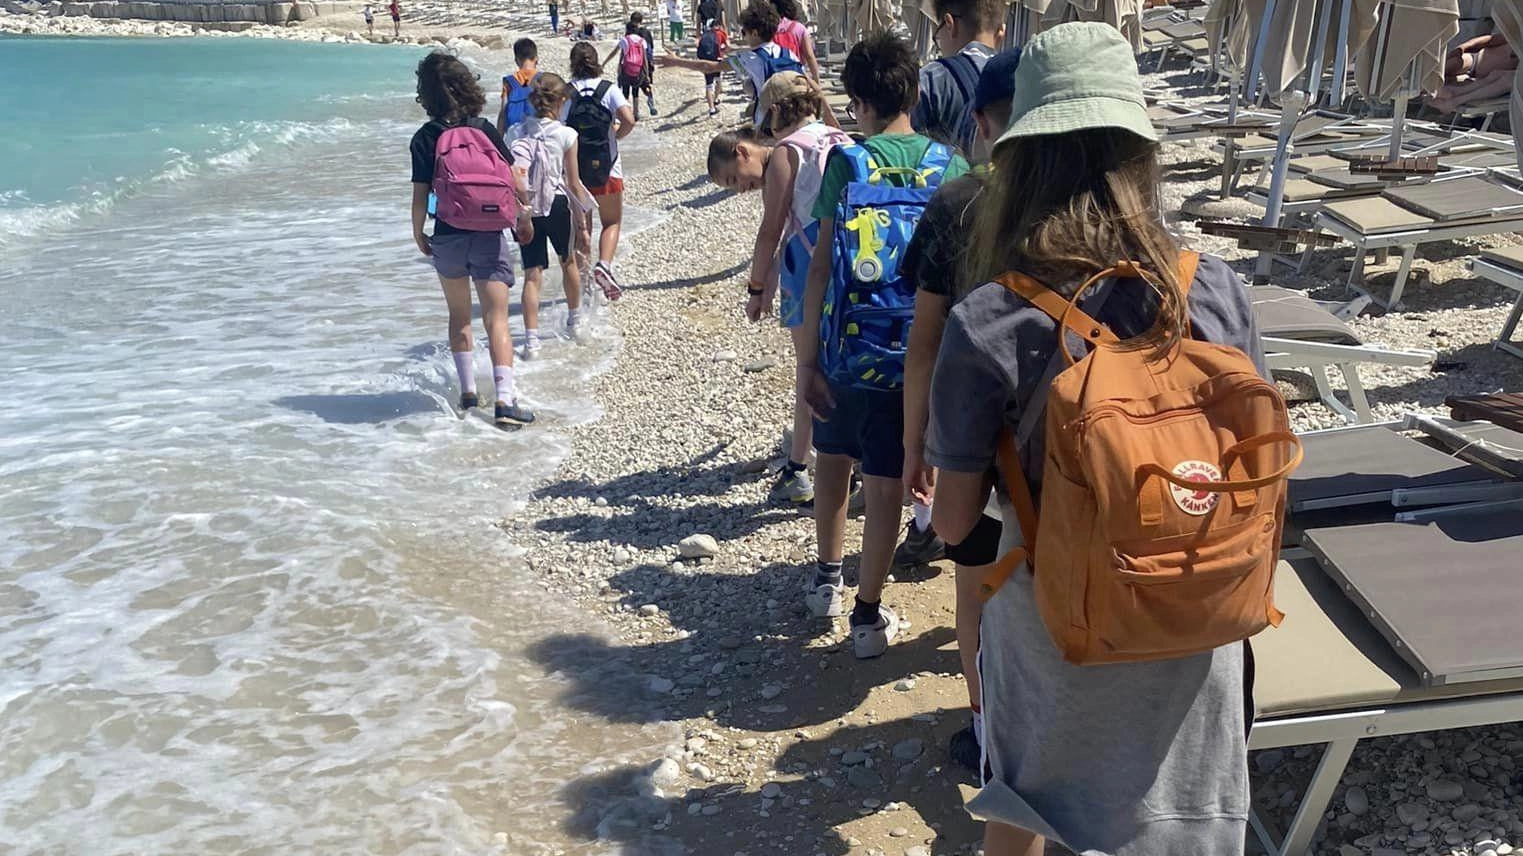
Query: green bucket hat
[[1074, 77]]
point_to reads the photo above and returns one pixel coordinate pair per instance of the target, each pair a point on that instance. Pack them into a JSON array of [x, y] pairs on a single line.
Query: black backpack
[[593, 124], [708, 45]]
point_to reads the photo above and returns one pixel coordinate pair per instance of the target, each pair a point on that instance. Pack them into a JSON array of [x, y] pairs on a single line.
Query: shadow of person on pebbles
[[702, 279], [693, 477], [760, 672], [647, 525], [898, 791]]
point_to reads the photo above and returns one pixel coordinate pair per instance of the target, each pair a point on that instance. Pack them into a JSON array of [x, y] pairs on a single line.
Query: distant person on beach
[[518, 86], [545, 151], [673, 21], [967, 32], [633, 53], [601, 117], [1135, 758], [794, 36], [713, 43], [396, 18], [936, 255], [587, 32], [758, 24], [1484, 67], [854, 423], [648, 79], [453, 99], [370, 19], [555, 17], [789, 176]]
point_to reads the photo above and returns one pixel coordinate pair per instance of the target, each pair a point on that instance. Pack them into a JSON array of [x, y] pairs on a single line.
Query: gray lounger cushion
[[1459, 199], [1362, 466], [1437, 591], [1283, 313]]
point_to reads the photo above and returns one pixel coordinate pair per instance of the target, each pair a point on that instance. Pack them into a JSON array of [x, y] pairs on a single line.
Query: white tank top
[[813, 143]]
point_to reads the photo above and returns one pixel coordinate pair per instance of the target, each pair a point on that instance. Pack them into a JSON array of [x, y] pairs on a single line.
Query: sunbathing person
[[1490, 69]]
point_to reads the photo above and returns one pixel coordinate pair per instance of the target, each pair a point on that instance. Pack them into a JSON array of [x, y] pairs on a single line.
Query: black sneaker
[[919, 548], [469, 401], [513, 415], [964, 749]]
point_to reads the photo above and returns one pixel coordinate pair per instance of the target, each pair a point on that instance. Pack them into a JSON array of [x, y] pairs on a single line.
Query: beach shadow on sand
[[363, 408]]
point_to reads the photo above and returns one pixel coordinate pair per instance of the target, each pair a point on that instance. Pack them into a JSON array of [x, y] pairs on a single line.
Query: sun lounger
[[1505, 268], [1326, 676], [1407, 217], [1300, 333], [1376, 465], [1484, 444], [1503, 408]]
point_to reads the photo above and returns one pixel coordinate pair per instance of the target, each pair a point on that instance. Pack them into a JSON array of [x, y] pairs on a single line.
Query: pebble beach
[[657, 525]]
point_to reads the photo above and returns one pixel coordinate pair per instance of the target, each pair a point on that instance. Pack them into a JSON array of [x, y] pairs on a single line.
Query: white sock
[[465, 368], [502, 376], [532, 335], [922, 515]]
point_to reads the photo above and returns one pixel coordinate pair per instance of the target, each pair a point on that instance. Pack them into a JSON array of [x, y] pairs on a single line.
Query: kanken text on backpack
[[865, 321], [517, 107], [1163, 491], [473, 183], [532, 154], [593, 123]]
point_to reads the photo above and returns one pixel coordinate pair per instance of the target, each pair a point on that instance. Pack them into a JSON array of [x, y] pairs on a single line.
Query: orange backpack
[[1163, 491]]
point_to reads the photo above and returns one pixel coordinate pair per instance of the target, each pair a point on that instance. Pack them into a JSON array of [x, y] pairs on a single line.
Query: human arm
[[1491, 40], [919, 363], [970, 395], [707, 66], [806, 54], [626, 117], [420, 216], [617, 51], [777, 206], [575, 189]]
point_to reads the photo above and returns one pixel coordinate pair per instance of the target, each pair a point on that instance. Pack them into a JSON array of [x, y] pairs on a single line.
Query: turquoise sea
[[252, 599]]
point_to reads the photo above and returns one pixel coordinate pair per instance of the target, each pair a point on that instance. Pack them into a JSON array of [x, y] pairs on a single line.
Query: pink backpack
[[634, 55], [473, 182]]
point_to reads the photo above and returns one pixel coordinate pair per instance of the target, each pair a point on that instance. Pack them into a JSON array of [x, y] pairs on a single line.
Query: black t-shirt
[[708, 10], [934, 259], [425, 146]]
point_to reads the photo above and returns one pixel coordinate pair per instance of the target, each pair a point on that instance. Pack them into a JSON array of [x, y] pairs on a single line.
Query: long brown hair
[[1061, 208]]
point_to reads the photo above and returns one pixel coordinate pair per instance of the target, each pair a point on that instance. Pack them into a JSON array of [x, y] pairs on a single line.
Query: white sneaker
[[532, 348], [871, 640], [576, 329], [825, 601]]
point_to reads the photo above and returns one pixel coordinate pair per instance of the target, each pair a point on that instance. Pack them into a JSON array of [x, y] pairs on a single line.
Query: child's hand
[[759, 306], [817, 394], [919, 479], [422, 241]]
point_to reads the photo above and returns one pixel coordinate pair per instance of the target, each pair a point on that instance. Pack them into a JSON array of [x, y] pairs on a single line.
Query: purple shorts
[[483, 256]]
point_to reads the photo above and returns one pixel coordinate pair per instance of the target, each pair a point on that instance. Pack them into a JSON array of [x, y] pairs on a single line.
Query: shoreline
[[788, 744]]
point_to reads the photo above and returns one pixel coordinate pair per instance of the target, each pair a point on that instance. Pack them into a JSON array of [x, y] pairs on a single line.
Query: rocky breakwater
[[188, 11]]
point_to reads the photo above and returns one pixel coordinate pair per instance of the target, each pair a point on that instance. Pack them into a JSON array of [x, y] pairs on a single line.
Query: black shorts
[[867, 426], [554, 229], [629, 84], [710, 79]]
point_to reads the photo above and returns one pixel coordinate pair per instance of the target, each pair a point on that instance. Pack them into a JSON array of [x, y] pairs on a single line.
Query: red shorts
[[615, 185]]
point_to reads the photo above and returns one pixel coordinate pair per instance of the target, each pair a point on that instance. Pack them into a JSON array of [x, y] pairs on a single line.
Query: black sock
[[827, 574], [792, 467], [865, 613]]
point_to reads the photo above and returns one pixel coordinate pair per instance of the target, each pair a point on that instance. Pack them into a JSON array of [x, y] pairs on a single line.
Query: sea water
[[252, 599]]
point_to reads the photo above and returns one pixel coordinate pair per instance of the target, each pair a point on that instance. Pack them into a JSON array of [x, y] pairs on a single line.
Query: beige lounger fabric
[[1355, 667], [1506, 256], [1468, 198], [1409, 31], [1376, 214]]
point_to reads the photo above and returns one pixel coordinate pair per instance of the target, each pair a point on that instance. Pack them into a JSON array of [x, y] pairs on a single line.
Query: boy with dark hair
[[648, 77], [517, 87], [758, 26], [934, 262], [966, 32], [854, 423]]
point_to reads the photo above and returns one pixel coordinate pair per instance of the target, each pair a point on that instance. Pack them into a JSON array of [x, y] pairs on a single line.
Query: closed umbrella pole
[[1340, 56], [1255, 65], [1290, 113]]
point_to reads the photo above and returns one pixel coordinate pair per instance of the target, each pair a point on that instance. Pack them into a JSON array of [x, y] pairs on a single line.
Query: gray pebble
[[854, 757], [864, 778], [760, 365], [771, 790], [661, 686], [1357, 801], [1445, 790], [909, 750], [650, 610]]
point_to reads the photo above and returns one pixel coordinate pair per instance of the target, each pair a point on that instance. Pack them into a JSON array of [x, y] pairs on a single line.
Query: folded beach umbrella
[[1288, 31], [1508, 15], [1406, 53], [1230, 20]]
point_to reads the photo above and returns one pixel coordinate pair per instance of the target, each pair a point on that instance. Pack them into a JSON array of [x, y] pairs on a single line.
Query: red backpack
[[473, 182]]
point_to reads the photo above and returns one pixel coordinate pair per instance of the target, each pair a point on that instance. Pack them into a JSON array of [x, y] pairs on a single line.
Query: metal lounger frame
[[1341, 732], [1408, 241], [1506, 277], [1318, 357]]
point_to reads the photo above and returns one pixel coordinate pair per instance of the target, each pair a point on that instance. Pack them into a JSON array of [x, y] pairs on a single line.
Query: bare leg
[[1002, 840], [534, 278], [457, 296], [611, 215], [970, 608], [832, 482], [571, 281], [803, 425], [494, 316], [880, 533]]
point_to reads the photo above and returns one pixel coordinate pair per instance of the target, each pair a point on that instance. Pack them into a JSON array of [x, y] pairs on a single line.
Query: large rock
[[698, 546]]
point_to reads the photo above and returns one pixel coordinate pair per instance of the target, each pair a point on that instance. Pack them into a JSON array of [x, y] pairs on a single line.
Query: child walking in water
[[601, 117], [789, 176], [453, 99], [545, 153]]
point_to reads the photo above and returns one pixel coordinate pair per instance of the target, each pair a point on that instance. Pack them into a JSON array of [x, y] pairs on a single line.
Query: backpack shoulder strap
[[964, 75], [602, 90], [1055, 305]]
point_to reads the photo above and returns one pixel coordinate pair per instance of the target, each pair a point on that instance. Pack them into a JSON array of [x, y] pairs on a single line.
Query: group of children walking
[[938, 311], [540, 180], [916, 293]]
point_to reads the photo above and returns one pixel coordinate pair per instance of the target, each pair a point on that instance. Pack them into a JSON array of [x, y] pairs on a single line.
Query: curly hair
[[761, 18], [882, 72], [789, 9], [448, 90], [584, 62], [548, 93]]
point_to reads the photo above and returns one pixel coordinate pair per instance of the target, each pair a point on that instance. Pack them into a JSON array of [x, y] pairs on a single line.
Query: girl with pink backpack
[[462, 160], [789, 175]]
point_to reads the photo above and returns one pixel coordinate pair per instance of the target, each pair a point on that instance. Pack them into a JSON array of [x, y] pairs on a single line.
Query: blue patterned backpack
[[865, 322]]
